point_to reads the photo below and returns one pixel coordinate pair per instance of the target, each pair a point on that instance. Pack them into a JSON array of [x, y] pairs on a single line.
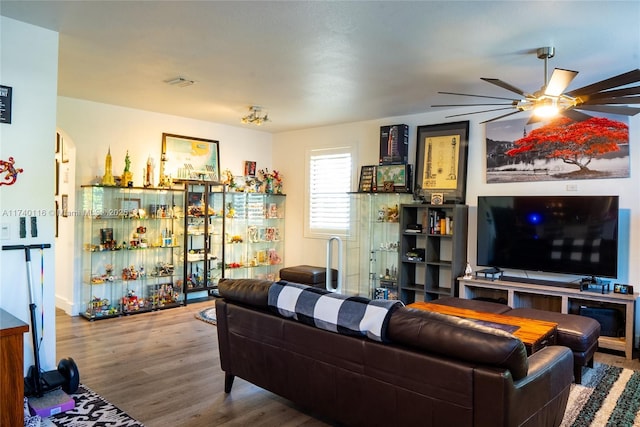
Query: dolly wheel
[[69, 370]]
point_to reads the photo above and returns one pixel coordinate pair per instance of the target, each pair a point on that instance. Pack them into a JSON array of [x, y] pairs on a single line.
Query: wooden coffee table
[[534, 334]]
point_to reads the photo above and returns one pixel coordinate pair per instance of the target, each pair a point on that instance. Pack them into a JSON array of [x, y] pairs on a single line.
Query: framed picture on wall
[[64, 151], [249, 168], [393, 178], [367, 179], [65, 205], [57, 177], [190, 158], [441, 161]]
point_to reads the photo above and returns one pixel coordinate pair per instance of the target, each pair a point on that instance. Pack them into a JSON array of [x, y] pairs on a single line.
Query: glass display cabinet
[[132, 250], [253, 235], [203, 240], [371, 267]]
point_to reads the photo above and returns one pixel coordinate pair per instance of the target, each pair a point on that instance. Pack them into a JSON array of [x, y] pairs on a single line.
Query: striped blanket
[[330, 311]]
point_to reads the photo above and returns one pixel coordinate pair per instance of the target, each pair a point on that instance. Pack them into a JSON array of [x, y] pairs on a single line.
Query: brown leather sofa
[[437, 370]]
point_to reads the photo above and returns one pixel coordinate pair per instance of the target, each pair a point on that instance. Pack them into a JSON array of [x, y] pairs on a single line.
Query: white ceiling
[[318, 63]]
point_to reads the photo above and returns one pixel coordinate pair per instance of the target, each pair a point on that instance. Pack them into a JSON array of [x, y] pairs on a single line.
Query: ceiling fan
[[551, 99]]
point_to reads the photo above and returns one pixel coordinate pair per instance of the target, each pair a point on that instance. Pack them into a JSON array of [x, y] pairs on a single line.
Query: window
[[329, 178]]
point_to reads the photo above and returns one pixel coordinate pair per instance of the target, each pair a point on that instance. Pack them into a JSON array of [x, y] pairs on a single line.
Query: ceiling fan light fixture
[[546, 108], [179, 81], [254, 117]]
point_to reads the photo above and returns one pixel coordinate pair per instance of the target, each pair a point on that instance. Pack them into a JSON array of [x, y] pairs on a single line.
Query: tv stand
[[556, 296]]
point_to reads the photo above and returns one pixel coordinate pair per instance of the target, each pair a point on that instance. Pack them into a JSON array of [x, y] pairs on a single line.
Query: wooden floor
[[163, 369]]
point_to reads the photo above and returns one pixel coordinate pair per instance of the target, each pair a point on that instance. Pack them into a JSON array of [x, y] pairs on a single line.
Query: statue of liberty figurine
[[127, 176]]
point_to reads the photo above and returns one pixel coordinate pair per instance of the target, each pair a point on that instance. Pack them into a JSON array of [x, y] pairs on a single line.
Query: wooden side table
[[11, 369]]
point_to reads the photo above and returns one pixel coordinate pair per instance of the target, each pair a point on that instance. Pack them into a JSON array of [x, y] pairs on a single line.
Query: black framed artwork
[[6, 95], [190, 158], [441, 161]]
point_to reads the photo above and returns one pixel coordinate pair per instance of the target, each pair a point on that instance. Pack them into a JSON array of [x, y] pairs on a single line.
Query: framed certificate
[[441, 161]]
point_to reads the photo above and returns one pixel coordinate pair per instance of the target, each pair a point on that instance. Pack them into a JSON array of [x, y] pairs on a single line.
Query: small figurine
[[468, 271], [148, 173], [108, 179], [127, 176]]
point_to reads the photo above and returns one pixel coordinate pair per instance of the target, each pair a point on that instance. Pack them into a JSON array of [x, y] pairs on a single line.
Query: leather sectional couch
[[430, 370]]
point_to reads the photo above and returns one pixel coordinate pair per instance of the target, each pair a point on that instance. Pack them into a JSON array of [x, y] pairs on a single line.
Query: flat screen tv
[[557, 234]]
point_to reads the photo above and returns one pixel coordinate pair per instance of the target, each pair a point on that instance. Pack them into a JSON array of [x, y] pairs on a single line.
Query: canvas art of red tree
[[575, 143]]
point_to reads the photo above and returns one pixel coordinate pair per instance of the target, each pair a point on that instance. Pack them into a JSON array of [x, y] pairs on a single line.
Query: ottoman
[[579, 333], [309, 275]]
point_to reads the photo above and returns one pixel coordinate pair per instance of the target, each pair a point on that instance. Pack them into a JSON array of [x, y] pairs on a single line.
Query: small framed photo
[[249, 168], [367, 179], [390, 178], [65, 205], [57, 178], [64, 151], [57, 214]]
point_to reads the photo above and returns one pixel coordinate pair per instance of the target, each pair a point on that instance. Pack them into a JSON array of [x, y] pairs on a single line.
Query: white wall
[[94, 128], [29, 64], [365, 135]]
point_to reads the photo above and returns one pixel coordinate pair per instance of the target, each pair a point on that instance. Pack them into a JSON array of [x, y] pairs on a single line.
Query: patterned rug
[[91, 410], [608, 396], [207, 315]]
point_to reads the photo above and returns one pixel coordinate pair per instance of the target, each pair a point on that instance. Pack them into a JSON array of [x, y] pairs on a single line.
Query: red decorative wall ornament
[[8, 173]]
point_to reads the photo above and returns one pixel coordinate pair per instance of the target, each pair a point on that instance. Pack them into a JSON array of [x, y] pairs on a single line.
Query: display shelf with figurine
[[254, 235], [204, 225], [371, 264], [132, 249]]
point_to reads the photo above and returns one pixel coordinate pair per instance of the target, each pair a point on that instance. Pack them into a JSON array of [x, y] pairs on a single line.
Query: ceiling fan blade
[[609, 101], [466, 105], [610, 109], [629, 77], [500, 117], [477, 96], [575, 115], [560, 80], [627, 91], [504, 85], [477, 112]]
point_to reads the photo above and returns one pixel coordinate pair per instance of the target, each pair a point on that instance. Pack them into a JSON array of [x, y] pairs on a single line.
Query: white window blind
[[328, 207]]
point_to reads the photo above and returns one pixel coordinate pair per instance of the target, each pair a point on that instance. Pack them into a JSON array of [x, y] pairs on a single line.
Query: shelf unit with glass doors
[[204, 248], [132, 250], [372, 251], [254, 235]]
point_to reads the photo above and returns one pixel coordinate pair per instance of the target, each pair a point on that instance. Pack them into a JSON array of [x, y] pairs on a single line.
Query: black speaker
[[611, 320]]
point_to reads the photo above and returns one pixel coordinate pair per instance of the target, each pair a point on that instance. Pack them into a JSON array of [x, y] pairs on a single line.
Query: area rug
[[91, 410], [608, 396], [207, 315]]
